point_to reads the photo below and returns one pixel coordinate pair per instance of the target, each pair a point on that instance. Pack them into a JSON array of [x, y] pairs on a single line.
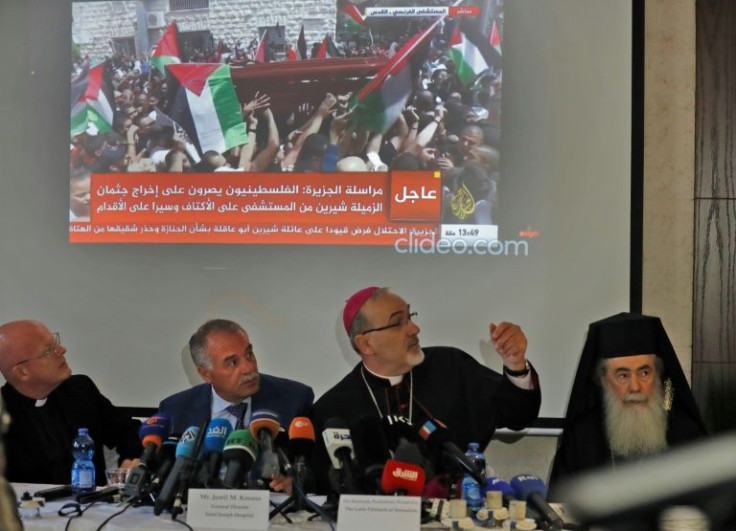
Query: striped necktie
[[238, 411]]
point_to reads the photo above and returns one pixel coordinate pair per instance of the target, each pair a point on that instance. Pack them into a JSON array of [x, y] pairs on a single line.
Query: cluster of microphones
[[388, 456], [392, 456], [214, 456]]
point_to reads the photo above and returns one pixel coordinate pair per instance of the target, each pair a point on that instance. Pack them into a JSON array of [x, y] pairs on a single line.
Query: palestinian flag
[[202, 100], [301, 44], [167, 49], [377, 106], [353, 17], [470, 55], [327, 49], [496, 37], [261, 56], [92, 100]]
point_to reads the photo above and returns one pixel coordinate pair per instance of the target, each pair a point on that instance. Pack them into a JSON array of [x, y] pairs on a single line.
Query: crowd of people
[[445, 126]]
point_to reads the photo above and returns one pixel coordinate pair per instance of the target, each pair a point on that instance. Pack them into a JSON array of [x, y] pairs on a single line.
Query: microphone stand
[[298, 500]]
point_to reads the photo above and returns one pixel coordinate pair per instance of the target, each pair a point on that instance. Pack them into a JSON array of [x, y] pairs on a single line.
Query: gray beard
[[638, 430]]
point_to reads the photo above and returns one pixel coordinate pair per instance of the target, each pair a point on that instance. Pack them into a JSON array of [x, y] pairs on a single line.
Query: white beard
[[416, 358], [635, 430]]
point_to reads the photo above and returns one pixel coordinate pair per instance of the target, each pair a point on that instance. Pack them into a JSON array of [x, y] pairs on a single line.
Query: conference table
[[143, 518], [140, 517]]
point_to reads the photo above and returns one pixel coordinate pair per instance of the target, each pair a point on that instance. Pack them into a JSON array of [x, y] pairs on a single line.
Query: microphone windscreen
[[239, 444], [339, 445], [336, 423], [301, 437], [525, 485], [154, 429], [409, 452], [369, 441], [301, 428], [434, 434], [265, 419], [397, 428], [493, 483], [282, 439], [185, 447], [168, 448], [439, 438], [405, 477], [217, 433]]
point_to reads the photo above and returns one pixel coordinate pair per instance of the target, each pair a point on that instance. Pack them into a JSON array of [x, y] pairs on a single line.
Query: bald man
[[47, 406]]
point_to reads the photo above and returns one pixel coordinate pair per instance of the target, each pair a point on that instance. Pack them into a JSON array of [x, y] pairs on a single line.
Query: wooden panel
[[715, 394], [714, 304], [715, 92], [714, 323]]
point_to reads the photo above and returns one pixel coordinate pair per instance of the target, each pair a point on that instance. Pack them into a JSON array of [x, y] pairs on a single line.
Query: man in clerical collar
[[630, 398], [397, 377], [47, 406]]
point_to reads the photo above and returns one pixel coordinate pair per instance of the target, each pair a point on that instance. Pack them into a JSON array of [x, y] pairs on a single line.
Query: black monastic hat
[[626, 334]]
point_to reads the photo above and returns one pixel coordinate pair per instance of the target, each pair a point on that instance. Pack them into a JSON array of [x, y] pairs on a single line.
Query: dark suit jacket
[[193, 407]]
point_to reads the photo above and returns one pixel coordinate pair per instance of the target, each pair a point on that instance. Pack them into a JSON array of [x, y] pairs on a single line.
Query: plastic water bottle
[[472, 491], [478, 459], [83, 469]]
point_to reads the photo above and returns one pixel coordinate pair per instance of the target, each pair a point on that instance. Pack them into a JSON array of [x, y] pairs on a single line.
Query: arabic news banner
[[369, 208]]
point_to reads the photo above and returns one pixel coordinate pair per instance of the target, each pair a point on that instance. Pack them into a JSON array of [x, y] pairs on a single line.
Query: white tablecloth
[[139, 517]]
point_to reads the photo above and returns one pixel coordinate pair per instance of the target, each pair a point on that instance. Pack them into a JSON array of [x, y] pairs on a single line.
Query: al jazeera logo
[[463, 204]]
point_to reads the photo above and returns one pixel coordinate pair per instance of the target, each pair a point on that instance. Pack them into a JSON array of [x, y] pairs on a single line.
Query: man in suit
[[47, 406], [233, 388]]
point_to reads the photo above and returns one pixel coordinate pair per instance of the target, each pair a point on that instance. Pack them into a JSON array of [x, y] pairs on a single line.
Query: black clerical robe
[[583, 445], [38, 444], [449, 386]]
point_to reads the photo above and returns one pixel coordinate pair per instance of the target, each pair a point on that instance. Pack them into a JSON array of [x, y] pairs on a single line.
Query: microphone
[[108, 494], [187, 472], [410, 453], [151, 432], [398, 428], [339, 447], [183, 454], [280, 443], [166, 459], [264, 426], [402, 478], [440, 438], [301, 443], [217, 433], [239, 454], [371, 450], [534, 491], [301, 438]]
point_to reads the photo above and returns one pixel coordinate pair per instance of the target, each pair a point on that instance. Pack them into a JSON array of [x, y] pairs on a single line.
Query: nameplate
[[387, 513], [228, 509]]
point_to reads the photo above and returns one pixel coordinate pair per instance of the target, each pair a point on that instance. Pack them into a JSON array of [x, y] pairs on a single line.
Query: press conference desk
[[137, 517]]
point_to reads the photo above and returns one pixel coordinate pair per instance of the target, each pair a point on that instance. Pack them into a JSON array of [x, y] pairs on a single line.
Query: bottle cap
[[494, 499], [517, 510]]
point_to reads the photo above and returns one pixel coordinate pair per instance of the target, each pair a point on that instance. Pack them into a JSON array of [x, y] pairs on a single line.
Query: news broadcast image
[[370, 122]]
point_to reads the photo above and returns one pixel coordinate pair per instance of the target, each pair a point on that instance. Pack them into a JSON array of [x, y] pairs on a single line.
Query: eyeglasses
[[398, 324], [52, 349]]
